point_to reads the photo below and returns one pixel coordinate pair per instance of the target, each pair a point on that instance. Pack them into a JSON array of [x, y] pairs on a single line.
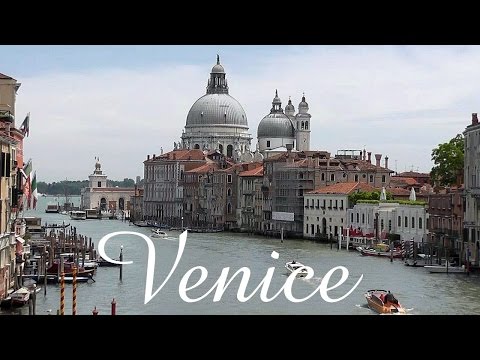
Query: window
[[323, 176], [406, 221], [268, 145], [357, 218], [306, 228], [229, 192], [306, 125], [389, 226], [330, 204], [383, 178], [229, 208], [229, 178], [341, 204], [324, 203], [332, 177], [336, 204], [371, 178], [413, 222], [399, 221], [419, 223], [363, 218], [356, 178], [351, 217], [381, 224], [99, 184]]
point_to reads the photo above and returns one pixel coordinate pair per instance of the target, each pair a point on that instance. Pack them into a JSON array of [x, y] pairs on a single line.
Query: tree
[[448, 159]]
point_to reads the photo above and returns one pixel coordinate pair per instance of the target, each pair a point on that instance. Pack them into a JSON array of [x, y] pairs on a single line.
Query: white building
[[326, 208], [99, 196], [408, 221]]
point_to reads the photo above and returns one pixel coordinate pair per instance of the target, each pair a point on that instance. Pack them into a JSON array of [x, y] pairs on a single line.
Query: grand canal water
[[417, 290]]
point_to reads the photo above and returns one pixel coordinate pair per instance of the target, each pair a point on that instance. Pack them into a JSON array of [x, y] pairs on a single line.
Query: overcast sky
[[123, 102]]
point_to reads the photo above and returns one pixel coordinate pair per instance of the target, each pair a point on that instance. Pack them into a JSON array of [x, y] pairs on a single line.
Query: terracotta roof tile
[[202, 169], [253, 172]]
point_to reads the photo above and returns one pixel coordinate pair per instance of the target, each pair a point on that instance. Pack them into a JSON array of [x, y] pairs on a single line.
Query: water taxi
[[294, 265], [383, 302]]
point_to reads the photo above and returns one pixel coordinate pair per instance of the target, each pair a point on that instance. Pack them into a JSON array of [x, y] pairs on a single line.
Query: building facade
[[98, 195], [472, 190]]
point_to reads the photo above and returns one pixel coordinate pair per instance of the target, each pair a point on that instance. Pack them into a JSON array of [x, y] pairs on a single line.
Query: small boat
[[294, 265], [383, 302], [446, 269], [374, 252], [104, 263], [52, 208], [157, 233], [78, 215], [20, 297]]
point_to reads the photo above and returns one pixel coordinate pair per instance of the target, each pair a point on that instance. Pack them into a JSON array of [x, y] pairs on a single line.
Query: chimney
[[161, 150], [386, 162], [364, 156], [148, 157], [378, 157], [153, 157], [474, 119], [369, 157]]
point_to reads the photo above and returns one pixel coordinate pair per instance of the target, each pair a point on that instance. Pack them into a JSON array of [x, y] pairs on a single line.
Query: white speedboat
[[294, 265], [157, 233], [446, 269], [78, 215]]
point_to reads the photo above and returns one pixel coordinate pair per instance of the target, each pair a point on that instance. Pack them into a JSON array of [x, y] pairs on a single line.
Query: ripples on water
[[416, 289]]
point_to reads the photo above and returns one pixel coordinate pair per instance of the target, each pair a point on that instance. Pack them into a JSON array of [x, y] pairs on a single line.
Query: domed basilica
[[217, 121]]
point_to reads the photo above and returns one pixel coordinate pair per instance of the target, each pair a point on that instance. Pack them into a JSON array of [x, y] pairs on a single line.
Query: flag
[[34, 191], [27, 189], [25, 127]]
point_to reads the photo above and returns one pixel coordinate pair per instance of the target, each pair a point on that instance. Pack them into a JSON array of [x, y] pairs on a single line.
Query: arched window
[[220, 148], [197, 146], [121, 204], [103, 203], [229, 150], [420, 223], [306, 125], [303, 125], [229, 192], [229, 208]]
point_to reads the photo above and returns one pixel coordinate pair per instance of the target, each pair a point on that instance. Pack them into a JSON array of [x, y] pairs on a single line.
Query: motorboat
[[446, 269], [20, 297], [383, 302], [157, 233], [295, 265]]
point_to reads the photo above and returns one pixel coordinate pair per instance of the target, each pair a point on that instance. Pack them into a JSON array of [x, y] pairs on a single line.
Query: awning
[[19, 239]]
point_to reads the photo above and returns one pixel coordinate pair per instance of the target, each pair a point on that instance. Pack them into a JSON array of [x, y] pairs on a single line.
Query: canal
[[419, 291]]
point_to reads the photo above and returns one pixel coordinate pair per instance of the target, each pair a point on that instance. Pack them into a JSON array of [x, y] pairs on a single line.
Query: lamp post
[[121, 259], [182, 223]]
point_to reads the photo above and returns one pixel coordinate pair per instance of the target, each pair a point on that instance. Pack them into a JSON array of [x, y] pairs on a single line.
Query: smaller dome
[[276, 125], [218, 69], [290, 106]]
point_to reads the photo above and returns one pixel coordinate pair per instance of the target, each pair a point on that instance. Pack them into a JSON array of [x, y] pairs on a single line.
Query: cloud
[[401, 101]]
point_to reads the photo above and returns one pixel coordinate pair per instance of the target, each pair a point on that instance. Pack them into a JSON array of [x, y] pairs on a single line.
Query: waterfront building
[[445, 209], [379, 219], [325, 210], [472, 190], [163, 198], [11, 187], [98, 195], [290, 175], [217, 121], [250, 199]]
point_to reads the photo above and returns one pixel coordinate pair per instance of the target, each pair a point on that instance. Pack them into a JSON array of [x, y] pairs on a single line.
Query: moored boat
[[78, 215], [374, 252], [383, 302], [20, 297], [295, 265]]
